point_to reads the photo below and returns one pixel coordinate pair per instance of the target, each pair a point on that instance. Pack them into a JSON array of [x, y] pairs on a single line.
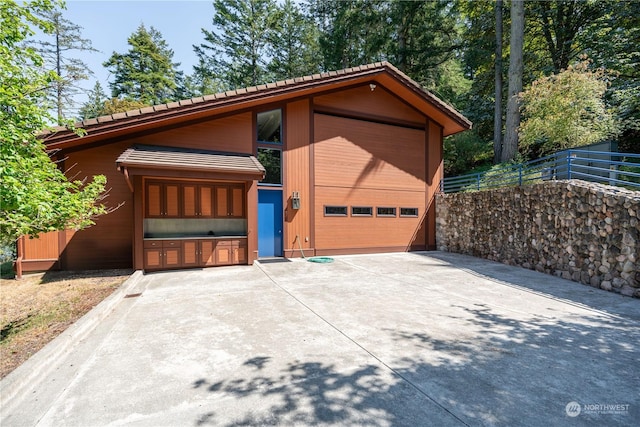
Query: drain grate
[[133, 295]]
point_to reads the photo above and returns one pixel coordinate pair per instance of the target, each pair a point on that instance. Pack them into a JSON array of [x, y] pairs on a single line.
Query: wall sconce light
[[372, 86], [295, 200]]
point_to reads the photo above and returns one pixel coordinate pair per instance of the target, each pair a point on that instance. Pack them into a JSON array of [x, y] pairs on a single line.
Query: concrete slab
[[385, 340]]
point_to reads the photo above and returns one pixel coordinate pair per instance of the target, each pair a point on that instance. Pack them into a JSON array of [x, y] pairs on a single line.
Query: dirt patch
[[36, 309]]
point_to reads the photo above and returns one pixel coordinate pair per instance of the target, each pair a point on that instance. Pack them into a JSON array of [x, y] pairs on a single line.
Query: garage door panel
[[368, 232]]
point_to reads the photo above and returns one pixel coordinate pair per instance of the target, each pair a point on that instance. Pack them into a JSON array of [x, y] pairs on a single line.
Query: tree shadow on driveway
[[502, 371]]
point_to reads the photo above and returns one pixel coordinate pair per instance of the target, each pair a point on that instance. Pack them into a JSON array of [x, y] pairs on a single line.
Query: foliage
[[146, 72], [95, 103], [65, 37], [293, 43], [465, 151], [35, 195], [234, 53], [565, 110], [99, 105]]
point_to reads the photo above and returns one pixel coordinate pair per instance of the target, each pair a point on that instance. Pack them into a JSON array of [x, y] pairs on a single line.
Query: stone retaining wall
[[586, 232]]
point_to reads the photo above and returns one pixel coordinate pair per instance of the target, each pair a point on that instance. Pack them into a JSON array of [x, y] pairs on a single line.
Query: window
[[335, 211], [408, 212], [383, 211], [361, 211], [269, 124], [271, 159]]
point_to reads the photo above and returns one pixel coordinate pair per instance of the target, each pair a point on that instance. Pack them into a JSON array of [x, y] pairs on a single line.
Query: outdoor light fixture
[[295, 200], [372, 86]]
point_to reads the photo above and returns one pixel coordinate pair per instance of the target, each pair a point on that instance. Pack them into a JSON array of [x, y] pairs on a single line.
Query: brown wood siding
[[108, 244], [231, 134], [435, 173], [356, 153], [378, 103], [374, 231], [296, 175], [44, 246], [359, 163]]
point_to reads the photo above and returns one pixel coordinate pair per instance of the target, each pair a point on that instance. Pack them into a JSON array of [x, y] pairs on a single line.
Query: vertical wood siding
[[45, 246], [435, 172], [296, 175]]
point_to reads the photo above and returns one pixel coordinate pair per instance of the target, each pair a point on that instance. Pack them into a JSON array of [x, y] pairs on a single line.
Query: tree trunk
[[510, 146], [497, 116]]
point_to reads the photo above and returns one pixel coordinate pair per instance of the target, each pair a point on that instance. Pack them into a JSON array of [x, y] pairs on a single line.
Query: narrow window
[[269, 124], [270, 158], [361, 211], [335, 211], [388, 212], [408, 212]]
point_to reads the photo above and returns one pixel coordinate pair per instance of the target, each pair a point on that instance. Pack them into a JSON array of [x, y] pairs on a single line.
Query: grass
[[36, 309]]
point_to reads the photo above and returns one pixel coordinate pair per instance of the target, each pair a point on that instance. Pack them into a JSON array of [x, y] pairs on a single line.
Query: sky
[[108, 24]]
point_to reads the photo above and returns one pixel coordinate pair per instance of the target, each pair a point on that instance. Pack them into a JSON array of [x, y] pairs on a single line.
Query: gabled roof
[[174, 113]]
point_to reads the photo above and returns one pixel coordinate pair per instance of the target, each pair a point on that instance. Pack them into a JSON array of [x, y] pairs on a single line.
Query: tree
[[66, 37], [293, 43], [510, 146], [99, 105], [234, 53], [497, 115], [561, 24], [146, 72], [94, 105], [35, 195], [566, 110]]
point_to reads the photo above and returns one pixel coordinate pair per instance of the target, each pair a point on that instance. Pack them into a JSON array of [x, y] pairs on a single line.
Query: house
[[341, 162]]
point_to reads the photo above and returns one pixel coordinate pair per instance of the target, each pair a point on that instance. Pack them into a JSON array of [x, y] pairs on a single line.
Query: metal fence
[[612, 168]]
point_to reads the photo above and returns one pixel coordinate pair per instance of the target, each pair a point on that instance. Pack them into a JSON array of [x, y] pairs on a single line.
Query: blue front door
[[269, 223]]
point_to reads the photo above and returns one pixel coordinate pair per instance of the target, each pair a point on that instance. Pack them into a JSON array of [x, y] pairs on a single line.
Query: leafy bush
[[466, 151]]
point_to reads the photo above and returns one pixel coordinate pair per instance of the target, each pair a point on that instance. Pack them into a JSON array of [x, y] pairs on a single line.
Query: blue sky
[[108, 24]]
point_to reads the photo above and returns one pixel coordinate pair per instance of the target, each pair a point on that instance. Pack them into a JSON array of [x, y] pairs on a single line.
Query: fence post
[[520, 174], [478, 183], [568, 164]]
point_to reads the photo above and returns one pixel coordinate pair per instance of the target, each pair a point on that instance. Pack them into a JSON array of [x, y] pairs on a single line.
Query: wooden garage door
[[365, 164]]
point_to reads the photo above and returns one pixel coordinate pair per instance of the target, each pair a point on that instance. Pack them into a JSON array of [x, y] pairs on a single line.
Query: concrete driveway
[[380, 340]]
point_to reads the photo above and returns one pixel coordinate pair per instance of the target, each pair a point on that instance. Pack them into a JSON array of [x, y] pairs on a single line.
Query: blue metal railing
[[612, 168]]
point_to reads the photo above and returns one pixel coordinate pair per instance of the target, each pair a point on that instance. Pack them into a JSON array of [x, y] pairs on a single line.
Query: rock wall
[[586, 232]]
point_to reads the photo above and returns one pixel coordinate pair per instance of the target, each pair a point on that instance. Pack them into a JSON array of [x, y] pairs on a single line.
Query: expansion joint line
[[383, 363]]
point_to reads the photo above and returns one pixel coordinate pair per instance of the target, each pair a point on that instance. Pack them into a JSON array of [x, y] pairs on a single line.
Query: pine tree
[[293, 43], [146, 72], [65, 37], [234, 53], [95, 104]]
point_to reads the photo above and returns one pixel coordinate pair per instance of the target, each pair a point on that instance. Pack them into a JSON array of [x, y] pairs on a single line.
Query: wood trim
[[312, 181], [295, 252], [371, 250], [251, 188], [347, 114], [138, 223], [177, 174], [39, 265]]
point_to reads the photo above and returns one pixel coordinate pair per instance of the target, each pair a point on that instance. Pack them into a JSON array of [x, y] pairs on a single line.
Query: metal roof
[[157, 157]]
